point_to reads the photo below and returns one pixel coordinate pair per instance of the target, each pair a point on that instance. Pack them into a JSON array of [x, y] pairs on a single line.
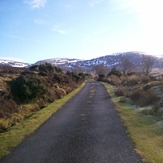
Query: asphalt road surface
[[86, 130]]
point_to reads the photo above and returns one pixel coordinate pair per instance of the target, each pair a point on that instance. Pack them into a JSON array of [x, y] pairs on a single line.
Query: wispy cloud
[[54, 28], [19, 37], [59, 30], [13, 36], [93, 3], [36, 4]]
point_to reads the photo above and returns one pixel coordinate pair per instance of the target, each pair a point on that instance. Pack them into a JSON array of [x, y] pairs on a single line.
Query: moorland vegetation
[[24, 91]]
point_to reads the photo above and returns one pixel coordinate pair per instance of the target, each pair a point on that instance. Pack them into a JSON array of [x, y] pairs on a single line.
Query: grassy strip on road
[[146, 131], [17, 133]]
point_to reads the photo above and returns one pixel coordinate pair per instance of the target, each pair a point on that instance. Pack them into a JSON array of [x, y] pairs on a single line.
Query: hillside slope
[[25, 90]]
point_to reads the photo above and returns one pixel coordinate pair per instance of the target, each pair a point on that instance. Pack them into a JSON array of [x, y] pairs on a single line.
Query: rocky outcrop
[[156, 88]]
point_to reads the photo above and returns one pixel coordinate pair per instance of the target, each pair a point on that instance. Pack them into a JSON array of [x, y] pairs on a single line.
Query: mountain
[[108, 61], [4, 62]]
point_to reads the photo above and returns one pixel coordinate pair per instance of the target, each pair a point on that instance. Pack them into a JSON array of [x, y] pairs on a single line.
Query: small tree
[[100, 69], [115, 72], [126, 65], [147, 64]]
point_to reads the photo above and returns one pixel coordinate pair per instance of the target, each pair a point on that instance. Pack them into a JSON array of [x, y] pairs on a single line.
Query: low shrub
[[154, 110], [4, 124], [156, 107]]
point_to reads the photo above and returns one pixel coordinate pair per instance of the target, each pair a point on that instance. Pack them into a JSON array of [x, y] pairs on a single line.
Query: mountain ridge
[[110, 61]]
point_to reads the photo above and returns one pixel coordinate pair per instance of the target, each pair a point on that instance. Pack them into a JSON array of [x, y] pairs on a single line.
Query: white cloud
[[59, 30], [36, 4], [148, 12], [148, 22], [93, 3]]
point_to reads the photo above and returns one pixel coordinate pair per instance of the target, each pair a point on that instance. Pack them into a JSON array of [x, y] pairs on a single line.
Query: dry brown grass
[[134, 86]]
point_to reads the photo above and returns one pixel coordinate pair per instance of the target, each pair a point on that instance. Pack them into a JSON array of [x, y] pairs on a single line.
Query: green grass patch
[[146, 131], [16, 134]]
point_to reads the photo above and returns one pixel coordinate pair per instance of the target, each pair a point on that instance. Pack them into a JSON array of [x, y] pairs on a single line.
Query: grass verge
[[17, 133], [146, 131]]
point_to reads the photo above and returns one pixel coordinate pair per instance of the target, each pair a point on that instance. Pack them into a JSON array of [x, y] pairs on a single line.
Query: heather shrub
[[46, 68], [145, 79], [76, 77], [143, 98], [61, 78], [115, 80], [130, 80], [115, 72], [156, 107], [154, 110], [151, 84], [15, 118], [121, 91], [7, 107]]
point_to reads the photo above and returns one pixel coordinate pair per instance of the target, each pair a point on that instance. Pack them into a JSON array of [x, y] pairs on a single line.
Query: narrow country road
[[86, 130]]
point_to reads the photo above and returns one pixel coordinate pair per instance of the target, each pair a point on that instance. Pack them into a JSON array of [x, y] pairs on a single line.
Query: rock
[[151, 84]]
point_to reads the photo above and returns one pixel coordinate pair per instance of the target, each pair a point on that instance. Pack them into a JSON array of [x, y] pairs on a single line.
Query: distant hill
[[108, 61]]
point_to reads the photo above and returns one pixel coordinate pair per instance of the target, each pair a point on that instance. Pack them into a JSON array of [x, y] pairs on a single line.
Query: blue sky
[[32, 30]]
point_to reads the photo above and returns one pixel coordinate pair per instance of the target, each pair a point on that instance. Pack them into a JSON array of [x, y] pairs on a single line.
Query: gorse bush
[[26, 89]]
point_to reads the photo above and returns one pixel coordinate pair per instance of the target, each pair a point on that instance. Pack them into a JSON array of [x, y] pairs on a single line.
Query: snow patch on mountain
[[58, 61], [12, 63]]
